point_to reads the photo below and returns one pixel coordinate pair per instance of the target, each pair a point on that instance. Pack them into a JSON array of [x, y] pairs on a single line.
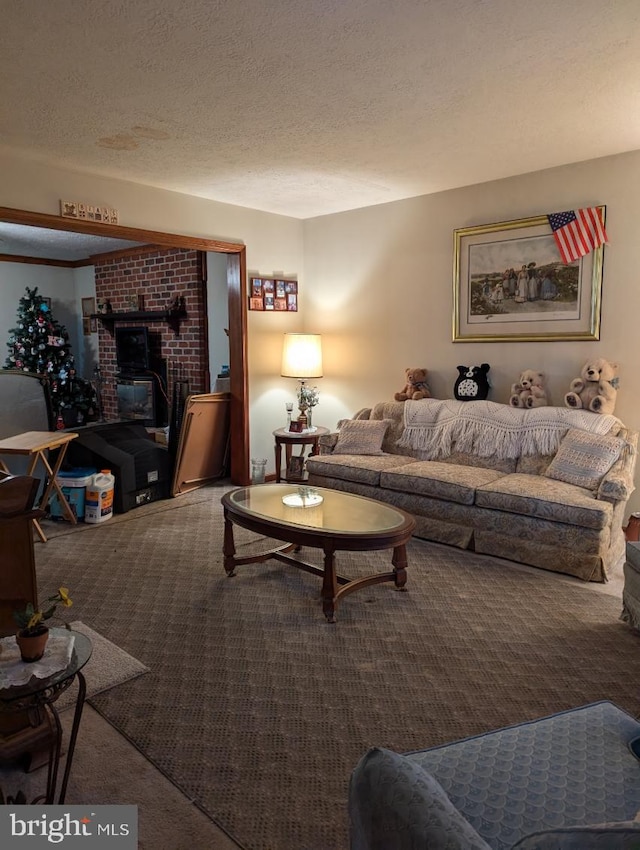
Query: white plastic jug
[[98, 505]]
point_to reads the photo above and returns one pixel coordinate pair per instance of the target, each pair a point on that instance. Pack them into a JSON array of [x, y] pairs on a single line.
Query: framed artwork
[[510, 283], [295, 470], [88, 306], [269, 293], [46, 301], [132, 302]]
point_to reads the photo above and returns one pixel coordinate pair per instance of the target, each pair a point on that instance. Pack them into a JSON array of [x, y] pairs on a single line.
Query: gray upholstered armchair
[[565, 782], [25, 403]]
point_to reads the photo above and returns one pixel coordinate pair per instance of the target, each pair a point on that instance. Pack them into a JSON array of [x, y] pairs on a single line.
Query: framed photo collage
[[270, 293]]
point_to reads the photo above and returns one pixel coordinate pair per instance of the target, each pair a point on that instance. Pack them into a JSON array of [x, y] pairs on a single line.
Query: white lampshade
[[302, 356]]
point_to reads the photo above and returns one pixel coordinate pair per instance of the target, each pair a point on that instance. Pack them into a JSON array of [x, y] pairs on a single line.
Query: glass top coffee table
[[323, 519]]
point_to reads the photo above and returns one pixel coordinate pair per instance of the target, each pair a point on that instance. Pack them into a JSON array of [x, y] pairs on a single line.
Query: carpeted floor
[[258, 709]]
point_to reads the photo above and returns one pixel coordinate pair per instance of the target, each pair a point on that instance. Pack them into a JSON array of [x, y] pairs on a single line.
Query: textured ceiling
[[307, 107], [18, 239]]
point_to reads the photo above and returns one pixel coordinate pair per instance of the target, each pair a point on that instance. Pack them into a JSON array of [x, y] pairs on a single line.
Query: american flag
[[577, 232]]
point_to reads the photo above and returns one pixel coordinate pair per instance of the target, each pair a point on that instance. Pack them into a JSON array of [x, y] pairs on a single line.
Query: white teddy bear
[[596, 388], [529, 391]]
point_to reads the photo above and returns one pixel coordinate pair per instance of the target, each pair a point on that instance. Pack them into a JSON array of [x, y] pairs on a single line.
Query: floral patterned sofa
[[565, 782], [546, 487]]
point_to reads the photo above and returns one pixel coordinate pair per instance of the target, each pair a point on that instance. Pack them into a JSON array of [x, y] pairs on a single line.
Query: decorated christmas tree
[[40, 344]]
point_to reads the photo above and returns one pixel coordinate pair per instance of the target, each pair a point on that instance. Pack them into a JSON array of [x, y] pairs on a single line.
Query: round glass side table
[[35, 701]]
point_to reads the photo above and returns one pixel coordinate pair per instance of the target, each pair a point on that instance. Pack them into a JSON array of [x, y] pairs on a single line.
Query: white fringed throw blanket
[[436, 427]]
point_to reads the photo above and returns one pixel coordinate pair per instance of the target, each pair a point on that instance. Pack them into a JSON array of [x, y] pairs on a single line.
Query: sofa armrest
[[327, 443], [618, 484], [396, 805]]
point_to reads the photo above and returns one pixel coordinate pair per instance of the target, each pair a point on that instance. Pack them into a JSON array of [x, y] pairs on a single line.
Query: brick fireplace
[[156, 276]]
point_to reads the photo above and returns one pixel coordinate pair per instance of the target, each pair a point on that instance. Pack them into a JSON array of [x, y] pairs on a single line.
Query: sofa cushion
[[606, 836], [545, 498], [393, 410], [440, 480], [396, 805], [363, 469], [584, 459], [361, 437], [500, 464], [532, 464]]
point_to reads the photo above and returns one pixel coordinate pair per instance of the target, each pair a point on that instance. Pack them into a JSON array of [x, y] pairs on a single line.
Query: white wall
[[378, 284], [217, 314], [87, 351], [274, 247]]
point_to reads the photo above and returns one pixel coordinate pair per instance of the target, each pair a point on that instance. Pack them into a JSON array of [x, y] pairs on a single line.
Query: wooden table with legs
[[34, 445], [289, 439], [322, 519]]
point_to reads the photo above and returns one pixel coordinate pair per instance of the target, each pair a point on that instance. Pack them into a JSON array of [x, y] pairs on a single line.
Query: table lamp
[[302, 359]]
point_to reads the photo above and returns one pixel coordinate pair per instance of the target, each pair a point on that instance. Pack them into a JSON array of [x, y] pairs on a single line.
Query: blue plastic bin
[[73, 483]]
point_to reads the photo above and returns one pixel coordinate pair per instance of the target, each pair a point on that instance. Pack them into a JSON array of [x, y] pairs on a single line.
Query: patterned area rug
[[258, 709], [108, 666]]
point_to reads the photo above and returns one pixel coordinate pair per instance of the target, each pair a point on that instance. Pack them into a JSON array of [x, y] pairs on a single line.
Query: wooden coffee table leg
[[229, 547], [329, 585], [399, 562]]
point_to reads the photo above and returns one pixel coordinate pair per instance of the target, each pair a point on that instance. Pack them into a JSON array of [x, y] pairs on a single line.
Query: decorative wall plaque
[[88, 212]]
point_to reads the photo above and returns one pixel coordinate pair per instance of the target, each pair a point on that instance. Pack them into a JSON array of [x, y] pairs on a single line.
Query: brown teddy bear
[[596, 388], [416, 386], [529, 391]]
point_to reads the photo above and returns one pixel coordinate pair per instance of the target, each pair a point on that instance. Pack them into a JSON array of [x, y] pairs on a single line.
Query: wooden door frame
[[237, 289]]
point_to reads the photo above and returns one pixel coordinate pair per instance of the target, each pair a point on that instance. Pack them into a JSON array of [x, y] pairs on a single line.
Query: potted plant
[[32, 632], [308, 397]]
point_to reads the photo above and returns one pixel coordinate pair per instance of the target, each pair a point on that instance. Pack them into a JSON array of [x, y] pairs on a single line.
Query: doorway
[[237, 318]]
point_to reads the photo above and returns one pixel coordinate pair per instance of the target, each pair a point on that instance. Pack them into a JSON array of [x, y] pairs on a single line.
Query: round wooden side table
[[295, 471]]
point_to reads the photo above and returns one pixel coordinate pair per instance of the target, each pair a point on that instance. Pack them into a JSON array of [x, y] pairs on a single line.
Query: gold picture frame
[[88, 306], [295, 468], [563, 300]]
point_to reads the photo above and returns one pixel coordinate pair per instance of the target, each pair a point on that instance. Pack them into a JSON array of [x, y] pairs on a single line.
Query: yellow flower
[[64, 597], [33, 622]]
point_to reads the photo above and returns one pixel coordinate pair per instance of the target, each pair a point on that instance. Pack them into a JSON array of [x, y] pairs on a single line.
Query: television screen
[[132, 349]]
